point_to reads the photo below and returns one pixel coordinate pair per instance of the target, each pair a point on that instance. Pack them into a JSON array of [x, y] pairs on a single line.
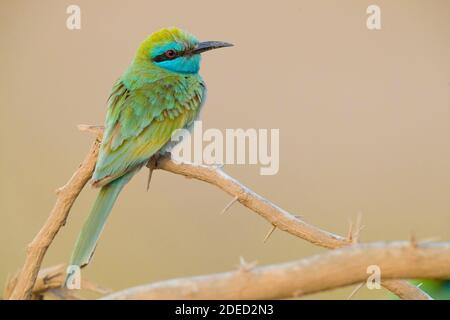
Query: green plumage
[[159, 93], [93, 226]]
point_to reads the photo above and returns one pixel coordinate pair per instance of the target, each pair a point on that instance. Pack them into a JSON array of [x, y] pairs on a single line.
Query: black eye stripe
[[162, 57]]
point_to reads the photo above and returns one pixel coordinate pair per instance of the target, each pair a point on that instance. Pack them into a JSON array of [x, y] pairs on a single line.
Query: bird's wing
[[140, 122]]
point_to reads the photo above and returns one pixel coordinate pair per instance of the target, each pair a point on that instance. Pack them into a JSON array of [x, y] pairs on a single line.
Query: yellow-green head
[[175, 50]]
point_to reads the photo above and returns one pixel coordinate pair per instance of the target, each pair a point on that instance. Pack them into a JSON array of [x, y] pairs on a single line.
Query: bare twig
[[38, 247], [91, 128], [49, 280], [275, 215], [405, 290], [327, 271]]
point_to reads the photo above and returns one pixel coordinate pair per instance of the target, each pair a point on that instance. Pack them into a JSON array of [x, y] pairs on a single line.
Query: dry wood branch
[[405, 290], [46, 279], [275, 215], [36, 250], [50, 280], [278, 217], [327, 271]]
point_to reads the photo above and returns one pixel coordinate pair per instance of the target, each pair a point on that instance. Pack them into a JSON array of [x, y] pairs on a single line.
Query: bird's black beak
[[210, 45]]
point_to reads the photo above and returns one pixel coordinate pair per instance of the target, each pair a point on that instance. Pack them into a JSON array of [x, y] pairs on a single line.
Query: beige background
[[364, 119]]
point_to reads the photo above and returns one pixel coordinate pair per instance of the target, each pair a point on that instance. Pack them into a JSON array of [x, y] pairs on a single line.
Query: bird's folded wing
[[140, 122]]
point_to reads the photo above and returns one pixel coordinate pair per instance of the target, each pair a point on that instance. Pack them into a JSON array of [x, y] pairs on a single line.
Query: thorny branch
[[22, 286], [334, 269]]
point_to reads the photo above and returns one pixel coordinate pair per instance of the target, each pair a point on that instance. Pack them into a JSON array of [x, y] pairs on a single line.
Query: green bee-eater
[[161, 91]]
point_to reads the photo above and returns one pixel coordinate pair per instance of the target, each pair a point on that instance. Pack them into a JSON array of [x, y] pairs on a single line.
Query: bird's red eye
[[170, 54]]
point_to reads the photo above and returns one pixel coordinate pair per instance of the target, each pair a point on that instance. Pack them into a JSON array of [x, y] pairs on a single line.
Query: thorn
[[272, 229], [357, 234], [413, 241], [358, 228], [358, 287], [149, 179], [245, 266], [151, 165], [229, 204], [354, 230], [350, 231]]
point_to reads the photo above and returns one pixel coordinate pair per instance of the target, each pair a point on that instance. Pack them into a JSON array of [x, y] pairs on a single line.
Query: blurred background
[[364, 119]]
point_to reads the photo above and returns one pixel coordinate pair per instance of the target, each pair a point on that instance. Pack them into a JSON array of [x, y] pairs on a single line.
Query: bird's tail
[[92, 228]]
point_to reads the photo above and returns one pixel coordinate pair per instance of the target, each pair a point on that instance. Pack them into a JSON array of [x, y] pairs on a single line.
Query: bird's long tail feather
[[92, 228]]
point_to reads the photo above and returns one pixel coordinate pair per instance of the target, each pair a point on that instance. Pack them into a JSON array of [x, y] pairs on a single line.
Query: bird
[[160, 91]]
